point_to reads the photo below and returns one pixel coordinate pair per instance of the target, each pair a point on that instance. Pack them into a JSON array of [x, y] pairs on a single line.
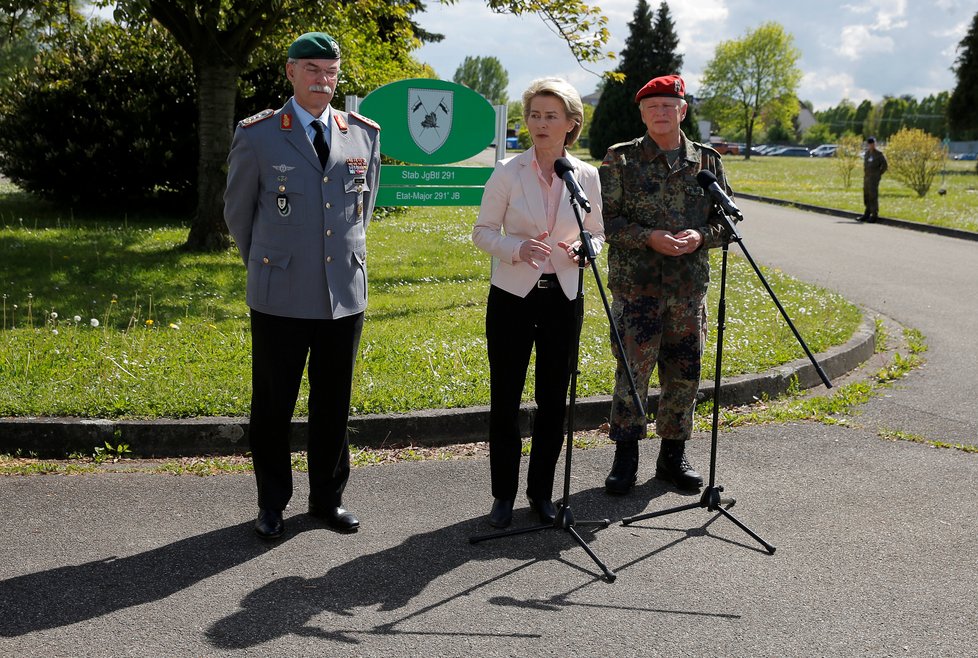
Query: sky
[[855, 50]]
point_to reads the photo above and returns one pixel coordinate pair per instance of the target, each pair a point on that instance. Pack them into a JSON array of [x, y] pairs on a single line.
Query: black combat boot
[[672, 466], [619, 482]]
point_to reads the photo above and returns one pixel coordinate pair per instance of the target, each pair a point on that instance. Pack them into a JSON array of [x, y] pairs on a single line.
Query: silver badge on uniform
[[284, 209], [282, 168]]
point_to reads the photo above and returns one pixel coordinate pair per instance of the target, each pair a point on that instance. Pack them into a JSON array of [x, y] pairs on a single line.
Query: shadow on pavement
[[388, 580], [67, 595]]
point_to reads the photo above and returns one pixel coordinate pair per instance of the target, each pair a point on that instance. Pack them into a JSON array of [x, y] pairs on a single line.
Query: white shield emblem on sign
[[429, 117]]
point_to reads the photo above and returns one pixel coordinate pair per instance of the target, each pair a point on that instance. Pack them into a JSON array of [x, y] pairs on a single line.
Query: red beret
[[666, 85]]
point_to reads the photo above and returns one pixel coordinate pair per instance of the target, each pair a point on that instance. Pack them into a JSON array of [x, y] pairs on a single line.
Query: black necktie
[[319, 143]]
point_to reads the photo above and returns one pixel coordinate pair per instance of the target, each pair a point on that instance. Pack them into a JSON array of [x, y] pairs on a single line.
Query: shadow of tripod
[[711, 498], [564, 519]]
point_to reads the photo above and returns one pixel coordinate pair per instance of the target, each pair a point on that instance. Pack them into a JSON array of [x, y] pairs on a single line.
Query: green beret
[[314, 45]]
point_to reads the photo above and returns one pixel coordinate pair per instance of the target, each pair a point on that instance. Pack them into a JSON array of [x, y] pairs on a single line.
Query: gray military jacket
[[301, 231]]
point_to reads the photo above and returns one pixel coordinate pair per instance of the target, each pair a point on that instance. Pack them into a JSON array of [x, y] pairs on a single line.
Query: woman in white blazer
[[527, 224]]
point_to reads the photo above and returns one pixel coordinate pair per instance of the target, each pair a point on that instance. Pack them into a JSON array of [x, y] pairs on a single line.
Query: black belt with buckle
[[548, 281]]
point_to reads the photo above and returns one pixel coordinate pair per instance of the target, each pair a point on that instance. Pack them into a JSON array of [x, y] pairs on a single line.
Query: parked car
[[825, 150], [792, 151], [966, 156], [723, 148]]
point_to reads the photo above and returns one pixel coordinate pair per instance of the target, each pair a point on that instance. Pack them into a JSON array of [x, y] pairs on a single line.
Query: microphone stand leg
[[711, 499], [770, 549]]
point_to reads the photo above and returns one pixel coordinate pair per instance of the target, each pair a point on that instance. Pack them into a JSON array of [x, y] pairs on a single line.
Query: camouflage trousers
[[669, 332]]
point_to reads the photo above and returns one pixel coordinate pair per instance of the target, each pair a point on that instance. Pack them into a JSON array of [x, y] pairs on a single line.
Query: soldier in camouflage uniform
[[874, 166], [660, 224]]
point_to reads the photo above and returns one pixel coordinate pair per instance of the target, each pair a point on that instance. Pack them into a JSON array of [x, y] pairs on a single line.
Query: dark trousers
[[871, 195], [280, 348], [545, 318]]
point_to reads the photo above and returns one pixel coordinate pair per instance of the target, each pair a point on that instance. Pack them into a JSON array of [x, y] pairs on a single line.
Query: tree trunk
[[749, 139], [217, 84]]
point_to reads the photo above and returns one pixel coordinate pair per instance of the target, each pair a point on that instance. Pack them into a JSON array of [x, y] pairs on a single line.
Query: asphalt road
[[875, 539], [927, 282]]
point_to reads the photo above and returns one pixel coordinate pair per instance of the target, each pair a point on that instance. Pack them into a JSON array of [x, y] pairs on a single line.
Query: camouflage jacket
[[641, 194]]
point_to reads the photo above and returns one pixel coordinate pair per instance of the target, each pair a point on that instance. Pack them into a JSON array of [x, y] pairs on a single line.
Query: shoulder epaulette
[[363, 119], [256, 118], [632, 142]]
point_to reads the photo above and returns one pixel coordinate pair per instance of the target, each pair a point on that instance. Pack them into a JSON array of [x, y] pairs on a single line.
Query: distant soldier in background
[[874, 166], [659, 225]]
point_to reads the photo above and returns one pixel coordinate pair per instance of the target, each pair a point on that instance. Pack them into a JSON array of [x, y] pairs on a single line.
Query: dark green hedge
[[105, 115]]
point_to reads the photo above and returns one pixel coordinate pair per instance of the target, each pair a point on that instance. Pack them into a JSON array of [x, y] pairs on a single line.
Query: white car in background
[[824, 151]]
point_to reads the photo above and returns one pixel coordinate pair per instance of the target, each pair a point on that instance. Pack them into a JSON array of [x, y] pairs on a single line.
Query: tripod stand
[[711, 498], [564, 519]]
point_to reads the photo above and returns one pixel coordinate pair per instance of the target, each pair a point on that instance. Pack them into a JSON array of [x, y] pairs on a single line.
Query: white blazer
[[512, 211]]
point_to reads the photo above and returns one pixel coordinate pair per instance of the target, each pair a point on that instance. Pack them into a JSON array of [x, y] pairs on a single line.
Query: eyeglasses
[[317, 72]]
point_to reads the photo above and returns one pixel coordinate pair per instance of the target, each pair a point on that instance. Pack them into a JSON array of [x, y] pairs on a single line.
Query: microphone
[[708, 181], [564, 170]]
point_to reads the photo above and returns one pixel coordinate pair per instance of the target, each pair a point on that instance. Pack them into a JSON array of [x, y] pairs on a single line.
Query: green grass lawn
[[817, 181], [172, 336]]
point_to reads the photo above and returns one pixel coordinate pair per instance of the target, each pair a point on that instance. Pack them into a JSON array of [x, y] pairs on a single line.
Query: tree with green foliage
[[221, 38], [817, 134], [650, 51], [885, 118], [962, 107], [514, 113], [847, 157], [915, 159], [753, 77], [839, 119], [863, 111], [932, 113], [23, 24], [484, 75]]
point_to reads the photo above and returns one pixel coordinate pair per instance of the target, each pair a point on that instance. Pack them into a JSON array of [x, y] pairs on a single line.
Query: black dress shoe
[[502, 513], [337, 518], [269, 524], [545, 509]]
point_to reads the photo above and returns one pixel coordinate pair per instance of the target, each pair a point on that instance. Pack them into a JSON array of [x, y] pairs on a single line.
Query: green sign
[[429, 196], [431, 186], [397, 175], [430, 122]]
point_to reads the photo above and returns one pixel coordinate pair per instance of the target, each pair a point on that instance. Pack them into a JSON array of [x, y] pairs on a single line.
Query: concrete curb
[[57, 437], [886, 221]]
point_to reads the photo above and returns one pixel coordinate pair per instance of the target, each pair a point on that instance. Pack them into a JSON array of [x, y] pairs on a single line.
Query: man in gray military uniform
[[302, 182]]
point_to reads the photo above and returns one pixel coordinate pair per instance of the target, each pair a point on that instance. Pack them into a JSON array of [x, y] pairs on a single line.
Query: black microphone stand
[[564, 520], [711, 498]]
